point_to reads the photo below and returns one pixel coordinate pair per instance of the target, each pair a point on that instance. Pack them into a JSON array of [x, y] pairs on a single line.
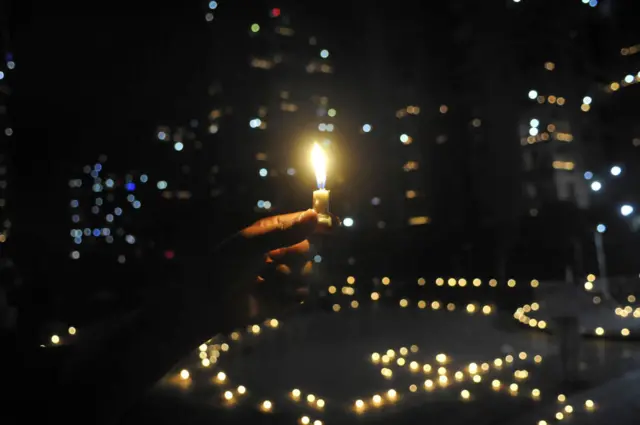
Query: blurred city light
[[601, 228], [616, 170], [626, 210], [366, 128], [588, 175], [533, 94], [347, 222], [596, 186]]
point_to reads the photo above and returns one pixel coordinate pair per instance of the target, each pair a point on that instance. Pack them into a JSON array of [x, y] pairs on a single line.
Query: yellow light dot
[[486, 309], [421, 281], [625, 332], [206, 362], [522, 355], [184, 374], [55, 339], [599, 331], [458, 375], [443, 380], [462, 283], [414, 366], [422, 304], [435, 305], [375, 357], [359, 404], [537, 358], [400, 361], [631, 298], [511, 283], [485, 366], [495, 384], [477, 282], [513, 387], [493, 283], [585, 108], [542, 423], [559, 416], [451, 306], [535, 283], [354, 304], [225, 346], [471, 308], [351, 280], [477, 379], [413, 388], [336, 307], [562, 398], [273, 323], [375, 296], [465, 394], [473, 368], [221, 376], [404, 303], [376, 399], [235, 336], [428, 384], [228, 395], [442, 370], [267, 405], [295, 393], [332, 289], [317, 422], [568, 408], [391, 353], [427, 368], [535, 306], [241, 389], [305, 420], [535, 392], [392, 394], [542, 324], [589, 404], [386, 281], [311, 398], [451, 282], [203, 347], [255, 329], [441, 358], [591, 277], [72, 330], [588, 286], [497, 362], [439, 281], [414, 348]]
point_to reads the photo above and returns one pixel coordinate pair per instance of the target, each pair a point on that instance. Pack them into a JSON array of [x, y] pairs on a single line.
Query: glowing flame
[[319, 161]]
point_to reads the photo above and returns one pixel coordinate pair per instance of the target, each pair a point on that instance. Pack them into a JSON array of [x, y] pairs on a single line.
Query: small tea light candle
[[321, 196]]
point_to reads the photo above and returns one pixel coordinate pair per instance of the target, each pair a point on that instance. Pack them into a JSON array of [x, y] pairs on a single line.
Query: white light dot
[[178, 146], [161, 185], [291, 171], [263, 172], [533, 131], [324, 53], [596, 186], [601, 228], [533, 94], [404, 138], [616, 170], [587, 100], [267, 205], [534, 122], [348, 222], [626, 210], [366, 128], [628, 79]]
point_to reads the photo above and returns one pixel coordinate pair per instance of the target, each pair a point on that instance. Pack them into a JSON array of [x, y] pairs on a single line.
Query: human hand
[[263, 267]]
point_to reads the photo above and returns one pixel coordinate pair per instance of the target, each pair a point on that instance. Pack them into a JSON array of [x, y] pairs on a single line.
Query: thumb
[[280, 231]]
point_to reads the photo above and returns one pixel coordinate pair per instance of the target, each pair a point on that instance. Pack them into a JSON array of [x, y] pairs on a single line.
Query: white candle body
[[321, 206]]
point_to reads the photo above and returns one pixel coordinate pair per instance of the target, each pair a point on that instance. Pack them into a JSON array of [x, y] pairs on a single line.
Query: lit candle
[[321, 196]]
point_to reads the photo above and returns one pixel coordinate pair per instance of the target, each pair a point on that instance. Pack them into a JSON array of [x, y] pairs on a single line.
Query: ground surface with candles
[[401, 361]]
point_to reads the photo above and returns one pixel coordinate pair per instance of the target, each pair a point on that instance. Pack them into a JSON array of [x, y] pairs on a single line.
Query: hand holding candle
[[321, 196]]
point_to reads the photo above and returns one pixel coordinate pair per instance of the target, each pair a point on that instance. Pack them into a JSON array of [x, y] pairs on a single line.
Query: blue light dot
[[77, 240], [213, 5], [131, 186], [317, 258], [96, 232], [109, 183], [162, 185], [588, 175], [98, 167], [601, 228], [261, 204], [87, 232], [75, 218], [74, 203], [130, 197], [144, 178], [118, 211], [136, 204], [109, 218], [178, 146]]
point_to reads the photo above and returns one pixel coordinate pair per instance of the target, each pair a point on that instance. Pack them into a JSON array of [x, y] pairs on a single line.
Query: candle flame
[[319, 161]]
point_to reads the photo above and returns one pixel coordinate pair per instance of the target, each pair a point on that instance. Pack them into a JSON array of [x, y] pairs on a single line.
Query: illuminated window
[[285, 31], [419, 221], [410, 194], [563, 165], [411, 166], [261, 63], [288, 107]]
